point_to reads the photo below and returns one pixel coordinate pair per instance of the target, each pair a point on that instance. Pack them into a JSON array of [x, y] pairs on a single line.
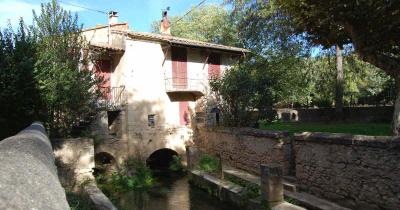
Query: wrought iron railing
[[113, 97], [184, 84]]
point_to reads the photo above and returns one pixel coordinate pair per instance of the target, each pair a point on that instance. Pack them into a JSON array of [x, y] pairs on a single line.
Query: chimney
[[165, 24], [112, 17]]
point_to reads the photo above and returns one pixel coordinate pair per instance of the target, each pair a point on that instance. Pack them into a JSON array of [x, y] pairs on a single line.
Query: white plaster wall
[[142, 69]]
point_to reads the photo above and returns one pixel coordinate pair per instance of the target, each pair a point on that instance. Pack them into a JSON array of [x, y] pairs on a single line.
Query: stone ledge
[[386, 142], [252, 132]]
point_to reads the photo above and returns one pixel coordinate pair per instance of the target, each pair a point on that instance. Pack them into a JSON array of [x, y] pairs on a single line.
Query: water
[[171, 194]]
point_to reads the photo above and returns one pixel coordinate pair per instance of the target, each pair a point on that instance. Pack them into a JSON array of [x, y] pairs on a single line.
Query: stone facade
[[360, 172], [246, 148], [75, 161]]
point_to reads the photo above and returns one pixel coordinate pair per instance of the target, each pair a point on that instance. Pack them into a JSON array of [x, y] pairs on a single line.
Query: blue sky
[[138, 13]]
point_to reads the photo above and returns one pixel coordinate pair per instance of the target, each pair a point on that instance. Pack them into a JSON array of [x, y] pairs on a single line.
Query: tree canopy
[[40, 74], [372, 27], [209, 23]]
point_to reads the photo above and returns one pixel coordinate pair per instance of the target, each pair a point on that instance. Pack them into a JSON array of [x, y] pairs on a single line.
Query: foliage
[[67, 92], [209, 23], [78, 201], [40, 76], [233, 92], [373, 129], [209, 163], [251, 190], [135, 176], [19, 95], [363, 83], [272, 74], [372, 27], [176, 164]]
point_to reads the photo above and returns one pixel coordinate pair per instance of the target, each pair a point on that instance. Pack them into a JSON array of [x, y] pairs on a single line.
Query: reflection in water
[[172, 194]]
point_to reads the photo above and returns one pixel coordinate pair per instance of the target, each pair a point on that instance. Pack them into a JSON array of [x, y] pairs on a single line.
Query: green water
[[172, 193]]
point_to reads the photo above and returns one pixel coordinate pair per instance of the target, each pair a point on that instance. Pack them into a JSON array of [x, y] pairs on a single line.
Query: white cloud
[[12, 10]]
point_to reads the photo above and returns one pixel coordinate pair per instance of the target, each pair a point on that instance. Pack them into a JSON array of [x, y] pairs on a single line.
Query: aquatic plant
[[209, 163], [176, 164], [134, 176]]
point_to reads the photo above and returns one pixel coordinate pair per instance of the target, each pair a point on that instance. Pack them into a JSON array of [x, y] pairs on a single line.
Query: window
[[214, 65], [179, 67], [151, 122]]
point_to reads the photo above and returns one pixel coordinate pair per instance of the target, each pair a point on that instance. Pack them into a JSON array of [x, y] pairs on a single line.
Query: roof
[[180, 41], [106, 46]]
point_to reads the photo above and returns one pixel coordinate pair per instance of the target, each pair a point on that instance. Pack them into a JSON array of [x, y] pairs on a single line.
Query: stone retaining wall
[[28, 175], [360, 172], [75, 161], [246, 148], [350, 114]]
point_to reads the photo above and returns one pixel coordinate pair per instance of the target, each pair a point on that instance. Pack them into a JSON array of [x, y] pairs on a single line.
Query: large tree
[[371, 26], [66, 90], [19, 96], [209, 23]]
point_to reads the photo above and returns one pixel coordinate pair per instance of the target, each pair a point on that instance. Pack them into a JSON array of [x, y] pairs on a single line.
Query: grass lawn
[[373, 129]]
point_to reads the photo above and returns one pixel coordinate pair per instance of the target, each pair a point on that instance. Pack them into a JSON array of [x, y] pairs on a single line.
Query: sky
[[138, 13]]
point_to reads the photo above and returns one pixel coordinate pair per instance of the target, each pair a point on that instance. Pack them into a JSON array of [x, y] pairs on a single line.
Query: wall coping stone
[[251, 132], [385, 142]]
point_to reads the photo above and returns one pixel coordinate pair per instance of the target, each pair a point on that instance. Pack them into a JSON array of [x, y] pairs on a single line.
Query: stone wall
[[246, 148], [75, 161], [360, 172], [28, 175], [351, 114]]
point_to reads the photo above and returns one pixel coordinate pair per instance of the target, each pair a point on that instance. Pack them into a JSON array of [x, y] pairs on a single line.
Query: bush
[[209, 163], [176, 164], [136, 176]]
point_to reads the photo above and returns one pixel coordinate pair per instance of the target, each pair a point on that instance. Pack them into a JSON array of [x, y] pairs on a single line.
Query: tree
[[339, 82], [208, 23], [67, 92], [372, 27], [19, 96]]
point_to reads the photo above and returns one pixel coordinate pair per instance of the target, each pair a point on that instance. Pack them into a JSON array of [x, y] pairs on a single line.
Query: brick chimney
[[165, 24], [112, 17]]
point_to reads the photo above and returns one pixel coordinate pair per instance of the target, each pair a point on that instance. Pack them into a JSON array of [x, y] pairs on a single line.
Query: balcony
[[184, 89], [114, 98]]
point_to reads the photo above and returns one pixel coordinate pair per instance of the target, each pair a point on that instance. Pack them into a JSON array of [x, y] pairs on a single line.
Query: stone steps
[[287, 185], [290, 191]]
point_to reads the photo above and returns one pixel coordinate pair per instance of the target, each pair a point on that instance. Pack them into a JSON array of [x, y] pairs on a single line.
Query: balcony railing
[[184, 89], [113, 97], [184, 84]]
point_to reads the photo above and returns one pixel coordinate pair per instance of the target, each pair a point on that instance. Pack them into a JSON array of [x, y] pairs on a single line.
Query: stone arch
[[161, 159], [104, 162]]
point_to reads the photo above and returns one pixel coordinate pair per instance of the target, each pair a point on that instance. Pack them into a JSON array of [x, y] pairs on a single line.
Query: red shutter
[[102, 69], [214, 65], [184, 112], [179, 67]]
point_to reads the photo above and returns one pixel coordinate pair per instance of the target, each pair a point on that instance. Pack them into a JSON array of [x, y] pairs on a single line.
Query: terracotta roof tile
[[180, 41]]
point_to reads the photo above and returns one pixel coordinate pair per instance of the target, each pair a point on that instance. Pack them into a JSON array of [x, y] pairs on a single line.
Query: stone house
[[154, 85]]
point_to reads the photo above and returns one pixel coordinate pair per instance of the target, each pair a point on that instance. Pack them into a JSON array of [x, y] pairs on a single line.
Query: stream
[[171, 193]]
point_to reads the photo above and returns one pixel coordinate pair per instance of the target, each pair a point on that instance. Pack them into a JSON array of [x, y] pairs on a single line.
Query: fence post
[[271, 184]]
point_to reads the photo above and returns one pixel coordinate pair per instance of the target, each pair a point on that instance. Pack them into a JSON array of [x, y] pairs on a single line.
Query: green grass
[[372, 129]]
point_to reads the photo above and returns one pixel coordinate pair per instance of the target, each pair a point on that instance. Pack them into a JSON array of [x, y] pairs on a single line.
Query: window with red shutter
[[179, 68], [214, 65], [102, 69]]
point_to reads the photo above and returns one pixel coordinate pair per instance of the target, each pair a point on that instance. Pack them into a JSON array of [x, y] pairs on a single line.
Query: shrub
[[176, 164], [209, 163], [141, 178]]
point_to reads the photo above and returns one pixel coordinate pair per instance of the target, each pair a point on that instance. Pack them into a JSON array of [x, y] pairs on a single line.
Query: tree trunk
[[396, 114], [339, 82]]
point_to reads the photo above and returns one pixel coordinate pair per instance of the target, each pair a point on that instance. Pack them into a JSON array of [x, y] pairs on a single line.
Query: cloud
[[13, 10]]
